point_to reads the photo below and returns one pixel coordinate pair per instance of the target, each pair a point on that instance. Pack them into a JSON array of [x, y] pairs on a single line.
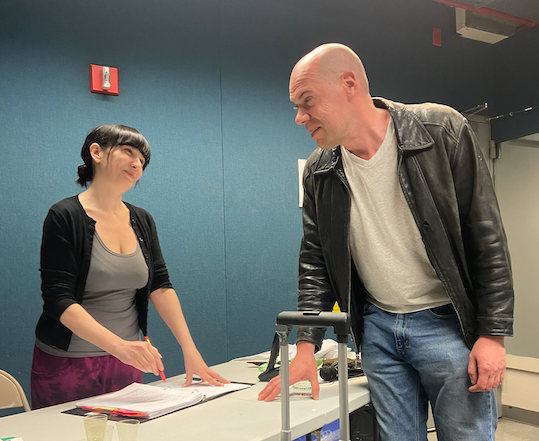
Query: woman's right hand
[[139, 354]]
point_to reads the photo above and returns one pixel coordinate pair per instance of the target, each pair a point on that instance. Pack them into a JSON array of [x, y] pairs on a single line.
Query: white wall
[[521, 384], [517, 187]]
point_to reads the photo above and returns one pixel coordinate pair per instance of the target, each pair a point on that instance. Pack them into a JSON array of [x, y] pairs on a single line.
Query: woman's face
[[121, 165]]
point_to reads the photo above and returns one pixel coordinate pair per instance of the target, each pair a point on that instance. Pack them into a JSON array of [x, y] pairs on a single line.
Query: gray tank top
[[109, 297]]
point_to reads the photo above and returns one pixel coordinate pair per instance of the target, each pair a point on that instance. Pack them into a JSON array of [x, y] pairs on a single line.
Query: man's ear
[[96, 152], [349, 81]]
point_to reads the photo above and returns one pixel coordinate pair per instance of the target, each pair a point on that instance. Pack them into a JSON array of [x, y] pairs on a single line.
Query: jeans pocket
[[443, 311], [368, 308]]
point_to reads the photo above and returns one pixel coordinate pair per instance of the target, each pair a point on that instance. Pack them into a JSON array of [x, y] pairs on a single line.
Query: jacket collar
[[410, 132]]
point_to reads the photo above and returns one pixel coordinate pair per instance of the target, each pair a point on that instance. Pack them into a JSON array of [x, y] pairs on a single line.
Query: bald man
[[402, 229]]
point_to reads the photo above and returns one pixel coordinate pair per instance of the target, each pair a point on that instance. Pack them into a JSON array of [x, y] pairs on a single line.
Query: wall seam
[[219, 33]]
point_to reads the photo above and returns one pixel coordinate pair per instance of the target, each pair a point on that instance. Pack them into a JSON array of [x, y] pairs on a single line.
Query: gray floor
[[509, 430]]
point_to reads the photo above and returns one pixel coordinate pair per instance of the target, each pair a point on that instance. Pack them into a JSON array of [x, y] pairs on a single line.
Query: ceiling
[[526, 9]]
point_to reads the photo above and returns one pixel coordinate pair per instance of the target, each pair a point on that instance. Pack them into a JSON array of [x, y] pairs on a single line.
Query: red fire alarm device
[[104, 79], [437, 36]]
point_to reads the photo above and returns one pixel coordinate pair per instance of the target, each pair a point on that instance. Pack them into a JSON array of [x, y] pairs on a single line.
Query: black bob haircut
[[110, 136]]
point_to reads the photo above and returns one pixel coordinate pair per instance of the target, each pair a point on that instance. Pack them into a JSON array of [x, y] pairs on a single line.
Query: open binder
[[141, 401], [145, 402]]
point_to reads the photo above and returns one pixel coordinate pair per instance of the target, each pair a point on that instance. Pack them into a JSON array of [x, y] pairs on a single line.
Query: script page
[[207, 390], [145, 398]]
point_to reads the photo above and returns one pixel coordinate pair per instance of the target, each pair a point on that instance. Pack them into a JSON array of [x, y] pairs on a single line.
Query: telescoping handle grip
[[339, 321]]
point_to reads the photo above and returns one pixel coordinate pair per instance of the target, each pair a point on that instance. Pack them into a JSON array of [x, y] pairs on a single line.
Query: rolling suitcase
[[340, 321]]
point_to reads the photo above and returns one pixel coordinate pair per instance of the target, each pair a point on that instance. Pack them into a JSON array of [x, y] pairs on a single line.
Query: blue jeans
[[410, 359]]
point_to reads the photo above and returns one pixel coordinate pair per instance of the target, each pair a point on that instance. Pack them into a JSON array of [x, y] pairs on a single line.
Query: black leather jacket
[[447, 185]]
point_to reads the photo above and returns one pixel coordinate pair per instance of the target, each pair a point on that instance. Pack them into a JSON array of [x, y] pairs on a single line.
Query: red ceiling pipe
[[491, 12]]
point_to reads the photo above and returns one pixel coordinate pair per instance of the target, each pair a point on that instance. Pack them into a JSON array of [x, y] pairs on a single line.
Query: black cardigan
[[66, 250]]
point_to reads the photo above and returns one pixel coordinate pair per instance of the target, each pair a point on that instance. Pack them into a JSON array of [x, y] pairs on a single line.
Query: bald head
[[328, 62], [331, 95]]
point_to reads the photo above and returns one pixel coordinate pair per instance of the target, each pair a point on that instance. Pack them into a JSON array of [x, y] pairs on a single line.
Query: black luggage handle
[[339, 321]]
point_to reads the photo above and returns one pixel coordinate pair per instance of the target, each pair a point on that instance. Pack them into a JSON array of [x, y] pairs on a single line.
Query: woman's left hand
[[194, 364], [168, 306]]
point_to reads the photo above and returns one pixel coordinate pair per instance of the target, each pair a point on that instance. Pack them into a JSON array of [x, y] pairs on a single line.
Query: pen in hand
[[161, 373]]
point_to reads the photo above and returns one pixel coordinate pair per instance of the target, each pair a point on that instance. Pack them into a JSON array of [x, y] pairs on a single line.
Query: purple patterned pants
[[56, 380]]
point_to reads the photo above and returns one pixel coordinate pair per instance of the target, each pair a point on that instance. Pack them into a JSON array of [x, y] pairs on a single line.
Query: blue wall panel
[[168, 63]]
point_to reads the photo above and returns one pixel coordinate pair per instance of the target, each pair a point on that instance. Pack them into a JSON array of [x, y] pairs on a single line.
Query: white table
[[234, 417]]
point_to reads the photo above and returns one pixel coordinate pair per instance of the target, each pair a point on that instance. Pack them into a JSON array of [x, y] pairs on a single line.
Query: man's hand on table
[[303, 367]]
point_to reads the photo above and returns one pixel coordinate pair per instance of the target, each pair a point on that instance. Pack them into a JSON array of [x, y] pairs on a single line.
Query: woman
[[100, 263]]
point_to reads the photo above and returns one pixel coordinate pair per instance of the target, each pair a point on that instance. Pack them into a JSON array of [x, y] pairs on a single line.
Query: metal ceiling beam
[[491, 12]]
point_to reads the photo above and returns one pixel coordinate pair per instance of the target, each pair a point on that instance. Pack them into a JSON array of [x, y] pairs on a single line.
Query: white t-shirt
[[385, 242]]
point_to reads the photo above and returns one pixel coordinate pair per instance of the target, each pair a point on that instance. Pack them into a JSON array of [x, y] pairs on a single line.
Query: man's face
[[319, 105]]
